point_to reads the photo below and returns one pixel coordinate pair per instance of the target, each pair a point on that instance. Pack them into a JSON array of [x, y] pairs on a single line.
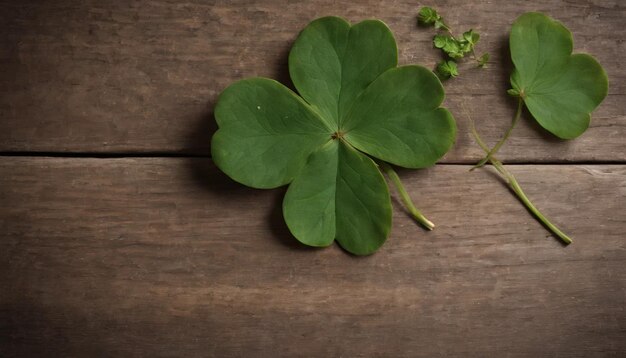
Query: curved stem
[[514, 185], [495, 149], [524, 199], [406, 199]]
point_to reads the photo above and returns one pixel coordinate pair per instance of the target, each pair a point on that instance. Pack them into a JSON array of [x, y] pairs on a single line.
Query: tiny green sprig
[[454, 48]]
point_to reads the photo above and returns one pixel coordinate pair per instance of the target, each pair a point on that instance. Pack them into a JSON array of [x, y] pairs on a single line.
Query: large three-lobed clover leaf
[[354, 101], [559, 89]]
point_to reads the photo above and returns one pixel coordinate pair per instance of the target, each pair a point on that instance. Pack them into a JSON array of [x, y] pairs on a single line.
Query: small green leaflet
[[456, 48], [353, 103], [428, 16], [447, 69], [449, 45], [559, 89], [483, 60], [471, 37]]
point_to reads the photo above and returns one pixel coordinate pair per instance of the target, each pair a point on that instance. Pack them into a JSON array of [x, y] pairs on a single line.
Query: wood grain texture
[[143, 76], [167, 257]]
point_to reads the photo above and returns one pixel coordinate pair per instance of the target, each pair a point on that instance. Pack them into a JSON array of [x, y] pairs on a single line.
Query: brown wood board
[[117, 77], [108, 248], [168, 257]]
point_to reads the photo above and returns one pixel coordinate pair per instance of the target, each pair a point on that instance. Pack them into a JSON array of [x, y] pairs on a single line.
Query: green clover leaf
[[449, 45], [559, 89], [428, 16], [483, 60], [447, 69], [471, 36], [355, 103]]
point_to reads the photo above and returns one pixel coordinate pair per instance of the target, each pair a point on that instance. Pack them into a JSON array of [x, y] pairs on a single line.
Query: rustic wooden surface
[[113, 76], [106, 255], [168, 257]]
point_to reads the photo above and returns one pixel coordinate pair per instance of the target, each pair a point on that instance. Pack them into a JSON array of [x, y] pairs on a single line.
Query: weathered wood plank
[[167, 257], [110, 76]]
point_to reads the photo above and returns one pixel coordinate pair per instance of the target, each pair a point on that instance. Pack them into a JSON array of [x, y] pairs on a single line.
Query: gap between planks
[[122, 155]]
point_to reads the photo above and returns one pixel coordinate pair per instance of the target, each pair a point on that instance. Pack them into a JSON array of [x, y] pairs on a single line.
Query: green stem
[[406, 199], [514, 185], [498, 145], [522, 196], [473, 53]]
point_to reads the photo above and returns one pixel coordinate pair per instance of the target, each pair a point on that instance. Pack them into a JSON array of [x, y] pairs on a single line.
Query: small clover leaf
[[441, 41], [429, 16], [471, 37], [483, 60], [559, 89], [353, 103], [447, 69], [449, 45]]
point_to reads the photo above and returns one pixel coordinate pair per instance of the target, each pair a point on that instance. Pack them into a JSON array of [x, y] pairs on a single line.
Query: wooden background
[[119, 237]]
